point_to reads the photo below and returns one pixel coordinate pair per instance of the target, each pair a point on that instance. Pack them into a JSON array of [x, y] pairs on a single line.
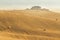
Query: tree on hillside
[[56, 19], [44, 29], [36, 8]]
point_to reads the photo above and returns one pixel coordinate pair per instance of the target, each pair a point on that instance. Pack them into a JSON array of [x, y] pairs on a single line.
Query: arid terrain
[[29, 25]]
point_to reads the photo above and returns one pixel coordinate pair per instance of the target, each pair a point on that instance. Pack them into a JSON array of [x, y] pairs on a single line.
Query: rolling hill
[[29, 25]]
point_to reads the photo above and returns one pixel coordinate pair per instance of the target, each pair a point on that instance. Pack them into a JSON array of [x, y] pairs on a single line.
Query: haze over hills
[[29, 25], [39, 12], [29, 20]]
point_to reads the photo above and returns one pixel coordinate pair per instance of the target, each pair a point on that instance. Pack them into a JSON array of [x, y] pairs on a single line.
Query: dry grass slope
[[29, 25]]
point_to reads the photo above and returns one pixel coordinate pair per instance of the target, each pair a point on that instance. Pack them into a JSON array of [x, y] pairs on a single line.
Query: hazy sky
[[20, 4]]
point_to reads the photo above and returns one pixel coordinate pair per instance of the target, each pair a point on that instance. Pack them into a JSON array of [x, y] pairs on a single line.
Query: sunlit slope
[[28, 26], [20, 20], [15, 36], [43, 13]]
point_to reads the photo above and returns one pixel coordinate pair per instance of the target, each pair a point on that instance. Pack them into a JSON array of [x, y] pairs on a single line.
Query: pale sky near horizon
[[21, 4]]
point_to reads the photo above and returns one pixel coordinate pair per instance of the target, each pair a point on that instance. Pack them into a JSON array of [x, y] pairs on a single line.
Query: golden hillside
[[29, 25]]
